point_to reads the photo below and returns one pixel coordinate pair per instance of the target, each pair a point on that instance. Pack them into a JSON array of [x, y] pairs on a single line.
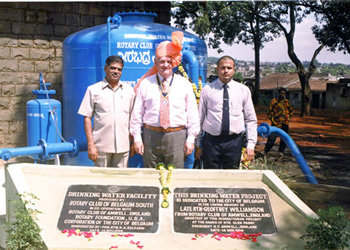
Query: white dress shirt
[[111, 110], [182, 105], [242, 112]]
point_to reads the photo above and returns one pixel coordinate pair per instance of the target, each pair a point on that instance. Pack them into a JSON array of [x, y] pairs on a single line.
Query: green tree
[[286, 17], [257, 22], [293, 12], [284, 68], [238, 76], [335, 69], [230, 22], [266, 70], [333, 23]]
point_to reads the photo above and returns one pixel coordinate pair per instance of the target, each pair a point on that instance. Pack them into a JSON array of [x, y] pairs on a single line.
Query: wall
[[31, 37], [338, 96]]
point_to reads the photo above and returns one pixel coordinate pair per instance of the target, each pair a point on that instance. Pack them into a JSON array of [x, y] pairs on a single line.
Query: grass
[[264, 163]]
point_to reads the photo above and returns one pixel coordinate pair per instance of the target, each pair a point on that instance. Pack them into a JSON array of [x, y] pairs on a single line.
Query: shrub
[[329, 231], [24, 233]]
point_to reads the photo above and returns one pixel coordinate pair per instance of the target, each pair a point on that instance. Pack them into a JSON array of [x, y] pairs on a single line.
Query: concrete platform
[[52, 183]]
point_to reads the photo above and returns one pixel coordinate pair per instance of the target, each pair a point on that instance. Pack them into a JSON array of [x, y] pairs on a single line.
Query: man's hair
[[226, 58], [114, 58], [282, 89]]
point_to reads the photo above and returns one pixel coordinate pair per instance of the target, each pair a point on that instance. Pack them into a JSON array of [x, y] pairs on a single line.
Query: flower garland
[[244, 162], [197, 91], [182, 71], [165, 182]]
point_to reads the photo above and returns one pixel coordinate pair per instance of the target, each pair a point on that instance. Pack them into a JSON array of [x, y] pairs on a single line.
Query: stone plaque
[[122, 209], [222, 210]]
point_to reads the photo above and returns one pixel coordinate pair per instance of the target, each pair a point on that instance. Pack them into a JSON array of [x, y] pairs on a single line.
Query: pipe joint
[[45, 154], [264, 130], [75, 149]]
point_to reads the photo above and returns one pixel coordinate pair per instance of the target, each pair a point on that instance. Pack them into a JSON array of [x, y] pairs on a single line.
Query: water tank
[[132, 35], [43, 117]]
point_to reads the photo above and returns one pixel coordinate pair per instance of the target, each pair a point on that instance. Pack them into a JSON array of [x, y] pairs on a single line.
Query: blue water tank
[[132, 35], [43, 117]]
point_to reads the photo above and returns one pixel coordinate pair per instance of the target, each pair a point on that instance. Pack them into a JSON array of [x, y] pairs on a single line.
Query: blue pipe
[[116, 19], [193, 73], [43, 150], [191, 58], [264, 130]]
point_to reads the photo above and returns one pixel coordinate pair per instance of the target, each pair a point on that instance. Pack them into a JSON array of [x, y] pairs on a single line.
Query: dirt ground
[[324, 141]]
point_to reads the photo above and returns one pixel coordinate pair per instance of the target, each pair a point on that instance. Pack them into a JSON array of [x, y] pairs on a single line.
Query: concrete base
[[50, 184]]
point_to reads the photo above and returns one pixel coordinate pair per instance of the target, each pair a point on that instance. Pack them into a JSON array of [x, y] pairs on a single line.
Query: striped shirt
[[242, 112]]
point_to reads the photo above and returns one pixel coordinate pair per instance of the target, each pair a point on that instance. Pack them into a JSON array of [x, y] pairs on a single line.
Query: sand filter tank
[[43, 116]]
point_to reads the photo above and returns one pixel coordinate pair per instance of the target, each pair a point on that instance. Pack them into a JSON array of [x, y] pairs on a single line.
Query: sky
[[276, 51]]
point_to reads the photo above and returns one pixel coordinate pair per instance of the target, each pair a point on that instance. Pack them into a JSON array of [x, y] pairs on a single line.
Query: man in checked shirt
[[280, 112]]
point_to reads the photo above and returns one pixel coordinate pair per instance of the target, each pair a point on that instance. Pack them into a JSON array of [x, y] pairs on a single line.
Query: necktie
[[225, 113], [164, 114], [165, 86]]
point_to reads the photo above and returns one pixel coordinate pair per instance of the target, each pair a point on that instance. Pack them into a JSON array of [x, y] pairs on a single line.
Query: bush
[[24, 233], [329, 231]]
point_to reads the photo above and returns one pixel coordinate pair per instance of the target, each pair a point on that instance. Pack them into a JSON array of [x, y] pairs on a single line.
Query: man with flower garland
[[164, 122]]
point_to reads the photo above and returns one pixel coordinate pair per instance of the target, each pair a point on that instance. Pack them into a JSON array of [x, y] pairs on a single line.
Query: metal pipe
[[191, 58], [193, 73], [116, 19], [264, 130], [43, 150], [109, 36]]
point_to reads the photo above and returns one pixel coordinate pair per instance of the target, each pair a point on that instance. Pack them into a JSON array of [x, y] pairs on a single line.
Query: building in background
[[338, 94], [318, 85]]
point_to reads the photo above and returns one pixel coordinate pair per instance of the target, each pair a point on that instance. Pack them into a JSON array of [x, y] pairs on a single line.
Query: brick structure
[[31, 38]]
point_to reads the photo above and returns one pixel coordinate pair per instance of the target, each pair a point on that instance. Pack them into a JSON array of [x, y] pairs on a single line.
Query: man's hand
[[132, 151], [197, 153], [138, 146], [92, 153], [249, 154], [188, 149]]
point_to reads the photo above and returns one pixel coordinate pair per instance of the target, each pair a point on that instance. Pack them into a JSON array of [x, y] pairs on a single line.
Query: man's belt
[[164, 130], [226, 136]]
